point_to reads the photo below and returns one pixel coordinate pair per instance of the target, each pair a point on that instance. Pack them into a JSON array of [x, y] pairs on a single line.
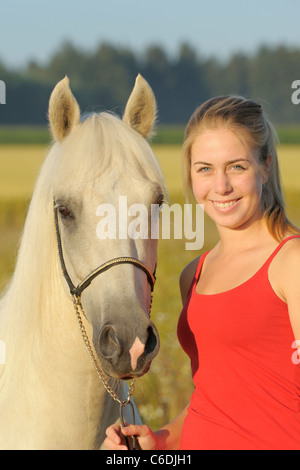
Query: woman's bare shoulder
[[186, 278], [288, 259]]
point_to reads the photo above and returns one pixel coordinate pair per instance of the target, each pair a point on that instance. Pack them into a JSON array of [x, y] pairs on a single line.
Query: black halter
[[77, 291]]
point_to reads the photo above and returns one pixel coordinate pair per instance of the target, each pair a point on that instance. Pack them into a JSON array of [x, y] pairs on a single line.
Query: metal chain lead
[[101, 375]]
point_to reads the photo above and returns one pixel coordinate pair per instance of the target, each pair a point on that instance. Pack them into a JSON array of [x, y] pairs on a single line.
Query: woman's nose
[[222, 183]]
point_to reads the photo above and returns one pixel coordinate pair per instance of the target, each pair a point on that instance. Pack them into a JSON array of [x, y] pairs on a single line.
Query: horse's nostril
[[114, 350], [109, 342], [151, 341]]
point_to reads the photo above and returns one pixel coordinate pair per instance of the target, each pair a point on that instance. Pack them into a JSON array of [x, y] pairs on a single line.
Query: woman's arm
[[289, 283], [169, 435], [186, 278]]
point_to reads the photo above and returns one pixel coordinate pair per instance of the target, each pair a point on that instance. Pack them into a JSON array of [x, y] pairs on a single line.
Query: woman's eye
[[204, 169], [64, 212], [238, 167]]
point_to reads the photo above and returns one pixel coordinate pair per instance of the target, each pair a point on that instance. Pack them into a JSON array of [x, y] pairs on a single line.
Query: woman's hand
[[115, 440]]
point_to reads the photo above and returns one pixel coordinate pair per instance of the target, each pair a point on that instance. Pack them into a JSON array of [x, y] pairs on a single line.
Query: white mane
[[37, 321]]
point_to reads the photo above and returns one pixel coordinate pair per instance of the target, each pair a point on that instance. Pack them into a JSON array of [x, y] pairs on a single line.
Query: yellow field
[[19, 166], [289, 159], [163, 392]]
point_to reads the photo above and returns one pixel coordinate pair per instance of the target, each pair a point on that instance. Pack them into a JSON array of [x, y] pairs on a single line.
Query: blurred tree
[[191, 87], [235, 79], [103, 79], [271, 74], [111, 75], [155, 68]]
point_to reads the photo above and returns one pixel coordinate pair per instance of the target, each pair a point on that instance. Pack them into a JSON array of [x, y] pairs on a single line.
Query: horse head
[[100, 161]]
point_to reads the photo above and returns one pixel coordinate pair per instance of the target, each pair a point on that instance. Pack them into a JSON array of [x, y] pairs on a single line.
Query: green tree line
[[103, 78]]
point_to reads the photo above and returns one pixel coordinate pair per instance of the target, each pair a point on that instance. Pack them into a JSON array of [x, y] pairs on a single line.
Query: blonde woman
[[240, 322]]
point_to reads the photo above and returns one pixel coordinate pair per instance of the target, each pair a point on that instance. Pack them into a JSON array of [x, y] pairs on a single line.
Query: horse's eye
[[160, 200], [64, 212]]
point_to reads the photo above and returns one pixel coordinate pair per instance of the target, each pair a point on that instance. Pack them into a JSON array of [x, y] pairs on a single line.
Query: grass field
[[166, 389]]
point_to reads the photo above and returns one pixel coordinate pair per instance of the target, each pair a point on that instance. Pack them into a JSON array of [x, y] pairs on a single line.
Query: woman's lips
[[225, 206]]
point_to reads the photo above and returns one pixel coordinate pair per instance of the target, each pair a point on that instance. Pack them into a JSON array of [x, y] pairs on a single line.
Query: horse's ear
[[140, 111], [64, 112]]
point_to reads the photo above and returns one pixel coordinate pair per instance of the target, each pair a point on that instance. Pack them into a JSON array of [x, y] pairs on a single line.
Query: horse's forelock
[[102, 143]]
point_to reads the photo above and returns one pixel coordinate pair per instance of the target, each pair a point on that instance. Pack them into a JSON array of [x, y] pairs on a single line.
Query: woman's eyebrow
[[202, 163], [225, 163]]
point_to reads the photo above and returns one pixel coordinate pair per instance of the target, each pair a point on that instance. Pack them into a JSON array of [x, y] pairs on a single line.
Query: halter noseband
[[77, 291]]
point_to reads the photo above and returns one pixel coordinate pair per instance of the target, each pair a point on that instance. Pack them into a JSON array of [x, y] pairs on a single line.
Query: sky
[[35, 29]]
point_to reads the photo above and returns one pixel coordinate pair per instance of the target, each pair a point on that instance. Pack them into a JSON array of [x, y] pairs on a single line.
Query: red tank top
[[244, 365]]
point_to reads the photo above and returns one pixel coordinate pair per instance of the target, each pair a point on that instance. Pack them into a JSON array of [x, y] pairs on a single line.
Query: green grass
[[19, 167], [289, 134], [165, 135], [12, 135]]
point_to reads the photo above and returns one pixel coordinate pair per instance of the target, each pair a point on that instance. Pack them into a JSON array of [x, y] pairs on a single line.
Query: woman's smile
[[226, 206]]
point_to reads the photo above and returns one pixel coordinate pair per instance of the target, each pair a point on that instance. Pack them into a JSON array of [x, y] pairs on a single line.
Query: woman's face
[[225, 178]]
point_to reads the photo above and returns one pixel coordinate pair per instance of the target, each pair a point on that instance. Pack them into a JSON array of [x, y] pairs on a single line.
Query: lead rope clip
[[122, 407]]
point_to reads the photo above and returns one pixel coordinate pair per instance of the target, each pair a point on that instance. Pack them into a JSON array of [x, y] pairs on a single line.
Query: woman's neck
[[240, 239]]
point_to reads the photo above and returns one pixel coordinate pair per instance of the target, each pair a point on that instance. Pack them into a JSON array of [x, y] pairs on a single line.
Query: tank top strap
[[200, 264], [272, 256]]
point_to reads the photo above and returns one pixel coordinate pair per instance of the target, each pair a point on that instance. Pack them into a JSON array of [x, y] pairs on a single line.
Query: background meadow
[[166, 389]]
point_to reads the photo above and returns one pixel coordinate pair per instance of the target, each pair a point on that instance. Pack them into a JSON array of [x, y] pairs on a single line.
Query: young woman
[[240, 324]]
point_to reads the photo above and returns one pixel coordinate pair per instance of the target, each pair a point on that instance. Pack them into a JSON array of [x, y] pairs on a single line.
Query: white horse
[[50, 393]]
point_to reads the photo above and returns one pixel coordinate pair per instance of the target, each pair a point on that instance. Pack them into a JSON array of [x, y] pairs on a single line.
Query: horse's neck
[[52, 397]]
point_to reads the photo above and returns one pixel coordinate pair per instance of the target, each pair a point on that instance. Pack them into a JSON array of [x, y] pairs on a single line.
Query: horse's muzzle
[[125, 356]]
